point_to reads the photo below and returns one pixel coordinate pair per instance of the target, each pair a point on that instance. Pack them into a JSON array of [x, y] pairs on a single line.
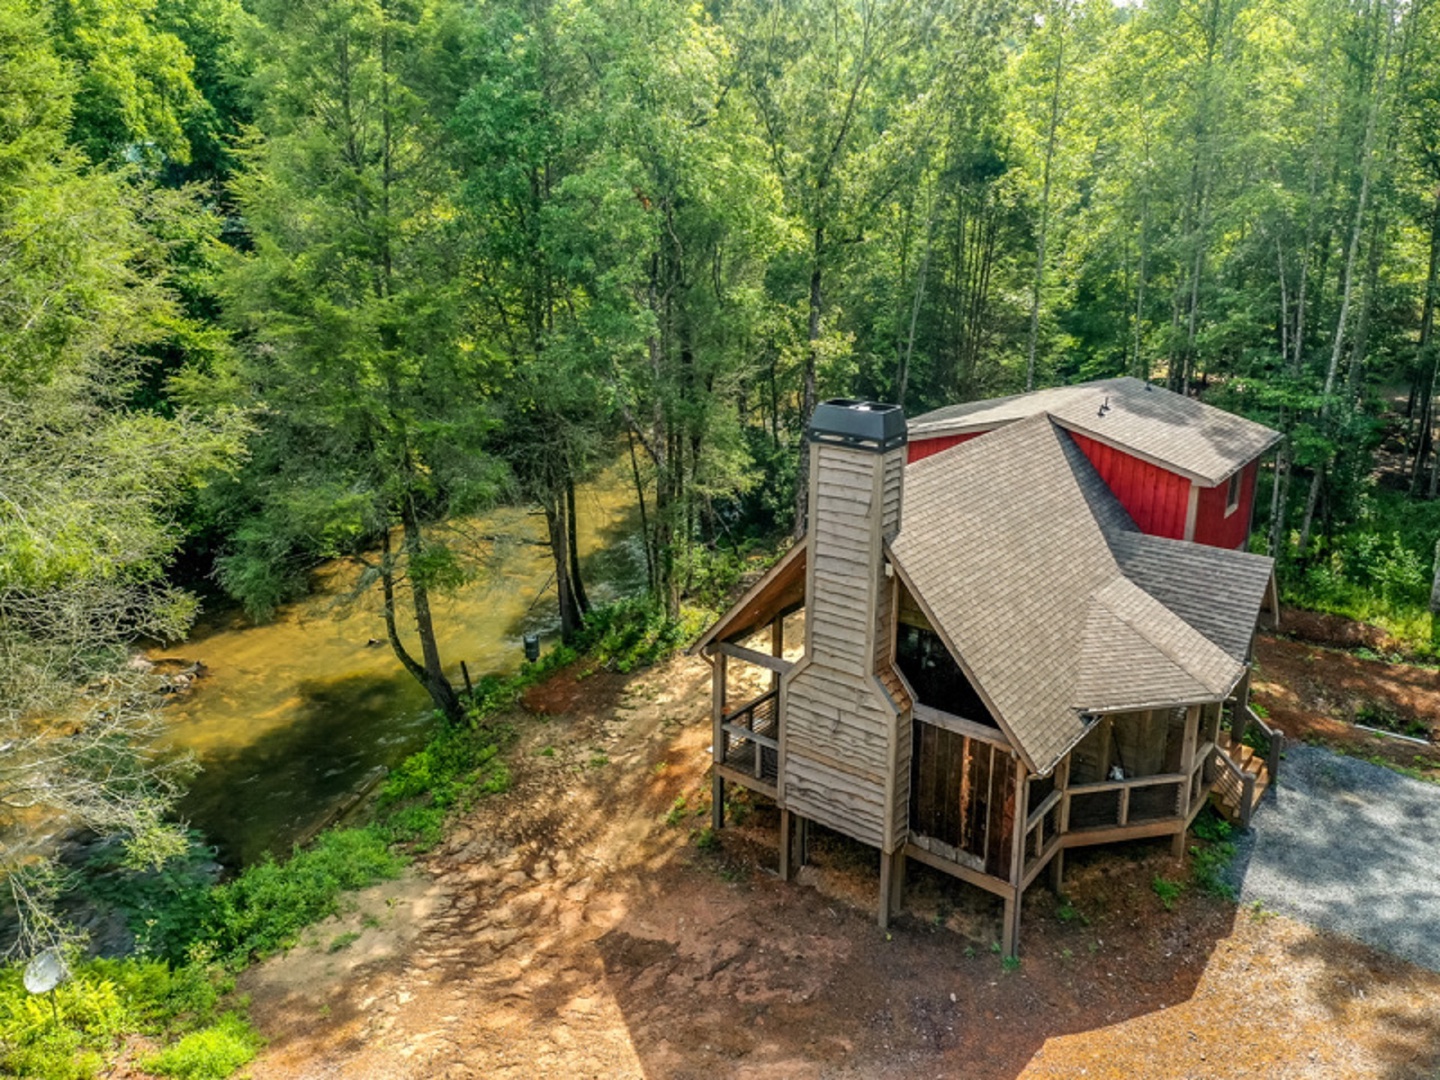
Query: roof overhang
[[780, 591]]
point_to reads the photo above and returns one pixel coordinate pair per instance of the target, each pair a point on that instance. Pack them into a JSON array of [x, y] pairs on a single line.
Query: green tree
[[89, 483], [376, 399]]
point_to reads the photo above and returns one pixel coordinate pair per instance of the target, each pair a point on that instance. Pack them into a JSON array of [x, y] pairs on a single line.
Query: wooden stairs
[[1243, 773]]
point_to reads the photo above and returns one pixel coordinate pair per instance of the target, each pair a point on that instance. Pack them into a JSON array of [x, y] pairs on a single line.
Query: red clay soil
[[585, 925], [1314, 693]]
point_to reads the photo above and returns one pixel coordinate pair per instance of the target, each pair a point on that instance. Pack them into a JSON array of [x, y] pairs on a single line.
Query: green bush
[[264, 909], [101, 1001], [212, 1053], [1376, 570], [1208, 866]]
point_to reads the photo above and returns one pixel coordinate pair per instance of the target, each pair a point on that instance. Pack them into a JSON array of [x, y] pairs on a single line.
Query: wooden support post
[[1187, 757], [718, 748], [1010, 934], [887, 873], [893, 892], [777, 647], [1177, 845], [786, 832], [1057, 873], [1011, 943]]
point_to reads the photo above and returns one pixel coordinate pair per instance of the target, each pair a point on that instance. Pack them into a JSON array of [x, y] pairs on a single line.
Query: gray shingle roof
[[1053, 604], [1173, 431]]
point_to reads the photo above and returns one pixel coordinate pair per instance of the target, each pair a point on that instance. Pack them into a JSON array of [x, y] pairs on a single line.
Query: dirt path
[[572, 928]]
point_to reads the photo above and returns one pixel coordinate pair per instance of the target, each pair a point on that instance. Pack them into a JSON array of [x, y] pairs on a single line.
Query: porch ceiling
[[780, 590]]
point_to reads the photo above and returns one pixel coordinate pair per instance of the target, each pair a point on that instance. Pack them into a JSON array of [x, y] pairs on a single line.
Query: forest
[[284, 280]]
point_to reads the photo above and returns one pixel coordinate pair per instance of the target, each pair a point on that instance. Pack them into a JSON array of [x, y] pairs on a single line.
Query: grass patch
[[212, 1053], [1168, 891], [101, 1002], [263, 910], [1378, 715]]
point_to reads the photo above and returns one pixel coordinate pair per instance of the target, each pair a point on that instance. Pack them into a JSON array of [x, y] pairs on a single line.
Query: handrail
[[742, 732], [1277, 742], [1051, 801], [1246, 781], [750, 706], [1134, 782]]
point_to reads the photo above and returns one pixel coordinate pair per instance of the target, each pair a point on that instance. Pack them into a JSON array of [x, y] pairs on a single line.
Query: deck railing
[[1242, 718], [1234, 784], [1117, 803], [751, 736], [1043, 828]]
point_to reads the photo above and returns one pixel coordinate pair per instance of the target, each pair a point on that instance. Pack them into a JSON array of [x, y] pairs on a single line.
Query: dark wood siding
[[962, 793]]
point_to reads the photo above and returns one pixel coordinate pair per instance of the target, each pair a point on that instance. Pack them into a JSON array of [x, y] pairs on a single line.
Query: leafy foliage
[[264, 909], [102, 1001]]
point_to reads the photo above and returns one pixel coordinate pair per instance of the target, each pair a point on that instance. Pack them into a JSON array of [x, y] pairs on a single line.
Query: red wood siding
[[923, 448], [1158, 500], [1212, 526]]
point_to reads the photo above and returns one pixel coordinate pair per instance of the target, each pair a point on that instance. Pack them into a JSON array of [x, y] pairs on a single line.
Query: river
[[292, 715]]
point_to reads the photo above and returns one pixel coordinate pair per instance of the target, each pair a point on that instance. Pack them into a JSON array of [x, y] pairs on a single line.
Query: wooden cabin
[[1014, 644]]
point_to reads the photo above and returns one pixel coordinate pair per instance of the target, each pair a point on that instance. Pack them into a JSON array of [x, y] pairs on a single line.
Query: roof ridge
[[1178, 657]]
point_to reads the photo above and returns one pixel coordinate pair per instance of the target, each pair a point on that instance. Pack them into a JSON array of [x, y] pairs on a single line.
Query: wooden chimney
[[845, 747]]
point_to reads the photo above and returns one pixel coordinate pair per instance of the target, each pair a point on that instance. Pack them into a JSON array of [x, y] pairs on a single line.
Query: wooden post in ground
[[892, 885], [1010, 945], [1057, 864], [887, 872], [786, 832], [777, 647], [717, 710], [1187, 769]]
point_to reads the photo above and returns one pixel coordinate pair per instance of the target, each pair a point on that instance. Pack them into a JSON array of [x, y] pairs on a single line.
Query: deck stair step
[[1226, 801]]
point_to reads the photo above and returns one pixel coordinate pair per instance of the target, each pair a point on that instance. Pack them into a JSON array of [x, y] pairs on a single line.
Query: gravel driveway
[[1352, 847]]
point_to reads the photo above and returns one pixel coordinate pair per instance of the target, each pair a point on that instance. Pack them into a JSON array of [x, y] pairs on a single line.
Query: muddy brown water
[[294, 715]]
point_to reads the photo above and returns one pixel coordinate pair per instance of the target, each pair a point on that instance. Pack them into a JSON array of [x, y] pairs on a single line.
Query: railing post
[[759, 750], [1272, 760], [1124, 806], [1247, 799]]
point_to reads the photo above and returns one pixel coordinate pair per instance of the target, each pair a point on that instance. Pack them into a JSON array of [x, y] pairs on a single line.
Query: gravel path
[[1351, 847]]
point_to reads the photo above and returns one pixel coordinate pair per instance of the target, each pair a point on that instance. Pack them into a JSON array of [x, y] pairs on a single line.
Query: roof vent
[[865, 425]]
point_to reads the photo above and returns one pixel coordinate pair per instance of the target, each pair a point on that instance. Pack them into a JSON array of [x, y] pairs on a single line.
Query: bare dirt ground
[[1312, 690], [573, 928]]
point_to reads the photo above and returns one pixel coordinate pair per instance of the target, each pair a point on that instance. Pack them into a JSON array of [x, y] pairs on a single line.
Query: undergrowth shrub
[[211, 1053], [102, 1001], [1210, 860], [264, 909]]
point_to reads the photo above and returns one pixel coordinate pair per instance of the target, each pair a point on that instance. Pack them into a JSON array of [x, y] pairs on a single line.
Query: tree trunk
[[581, 600], [433, 674], [1039, 280], [1279, 492], [1347, 289], [1425, 352], [570, 617], [646, 536]]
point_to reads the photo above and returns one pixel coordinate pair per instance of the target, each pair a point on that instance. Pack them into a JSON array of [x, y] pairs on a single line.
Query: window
[[935, 677], [1232, 496]]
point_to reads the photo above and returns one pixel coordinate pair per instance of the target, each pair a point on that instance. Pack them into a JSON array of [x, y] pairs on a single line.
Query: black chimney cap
[[866, 425]]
